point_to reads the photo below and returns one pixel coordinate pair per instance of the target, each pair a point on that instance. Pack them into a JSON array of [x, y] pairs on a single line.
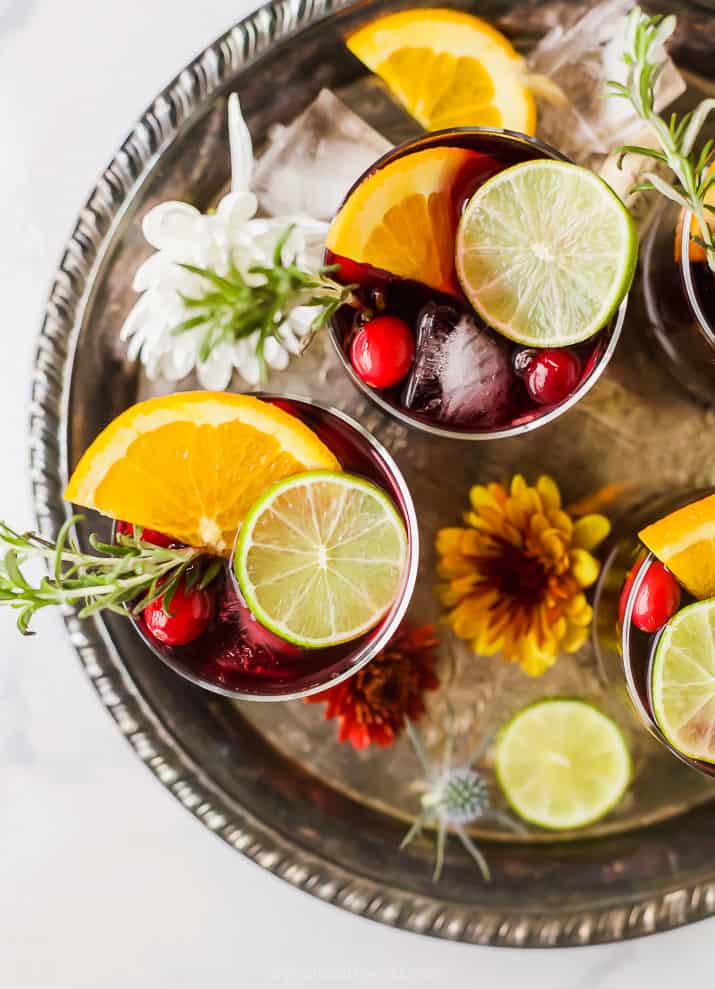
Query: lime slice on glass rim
[[545, 253], [562, 763], [320, 558], [683, 681]]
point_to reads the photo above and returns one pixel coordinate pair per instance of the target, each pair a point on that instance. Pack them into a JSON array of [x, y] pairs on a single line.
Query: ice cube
[[461, 375], [309, 166], [580, 59]]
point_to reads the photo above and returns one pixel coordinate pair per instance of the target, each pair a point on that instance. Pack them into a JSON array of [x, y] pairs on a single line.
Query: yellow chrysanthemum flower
[[515, 575]]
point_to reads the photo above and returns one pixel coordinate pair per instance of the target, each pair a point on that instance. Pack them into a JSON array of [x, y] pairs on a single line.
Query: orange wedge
[[403, 218], [685, 543], [448, 69], [191, 465]]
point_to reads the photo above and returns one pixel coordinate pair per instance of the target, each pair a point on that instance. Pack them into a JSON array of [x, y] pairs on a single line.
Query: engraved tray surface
[[270, 778]]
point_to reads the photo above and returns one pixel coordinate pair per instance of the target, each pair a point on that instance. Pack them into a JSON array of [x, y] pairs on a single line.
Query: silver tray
[[267, 778]]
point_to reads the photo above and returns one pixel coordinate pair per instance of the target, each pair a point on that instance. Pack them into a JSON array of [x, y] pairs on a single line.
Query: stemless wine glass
[[522, 415], [236, 657], [622, 649], [679, 296]]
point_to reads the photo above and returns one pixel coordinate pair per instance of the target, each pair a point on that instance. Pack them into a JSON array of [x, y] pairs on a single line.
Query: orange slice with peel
[[684, 542], [448, 69], [403, 217], [192, 464]]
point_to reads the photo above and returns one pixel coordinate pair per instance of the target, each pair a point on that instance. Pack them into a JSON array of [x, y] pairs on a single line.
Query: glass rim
[[390, 622], [646, 716], [514, 137], [705, 326], [626, 636]]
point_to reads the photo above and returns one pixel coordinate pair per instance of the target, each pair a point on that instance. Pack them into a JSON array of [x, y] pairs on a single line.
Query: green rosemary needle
[[645, 58], [130, 573], [233, 307]]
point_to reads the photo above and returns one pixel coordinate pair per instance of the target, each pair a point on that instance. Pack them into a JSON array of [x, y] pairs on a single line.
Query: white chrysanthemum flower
[[232, 235]]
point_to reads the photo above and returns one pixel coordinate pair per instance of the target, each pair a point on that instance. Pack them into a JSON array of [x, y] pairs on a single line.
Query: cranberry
[[148, 535], [382, 351], [348, 272], [549, 375], [658, 598], [157, 538], [191, 612]]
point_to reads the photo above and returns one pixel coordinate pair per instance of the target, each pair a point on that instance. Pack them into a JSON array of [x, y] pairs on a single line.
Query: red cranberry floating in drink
[[184, 618], [658, 597], [148, 535], [551, 375], [382, 351]]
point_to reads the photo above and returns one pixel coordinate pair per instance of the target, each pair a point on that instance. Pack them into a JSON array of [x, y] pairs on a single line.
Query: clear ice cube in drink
[[461, 374]]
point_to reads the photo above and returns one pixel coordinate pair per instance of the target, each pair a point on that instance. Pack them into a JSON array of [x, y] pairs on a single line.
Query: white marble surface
[[104, 879]]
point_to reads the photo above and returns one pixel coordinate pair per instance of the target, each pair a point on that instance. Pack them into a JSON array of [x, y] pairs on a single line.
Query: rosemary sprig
[[644, 55], [232, 308], [129, 573]]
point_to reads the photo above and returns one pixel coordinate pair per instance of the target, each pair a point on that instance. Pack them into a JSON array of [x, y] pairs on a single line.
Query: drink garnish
[[382, 351], [658, 597], [193, 463], [448, 68], [562, 763], [320, 558], [683, 681], [257, 304], [684, 542], [130, 573], [403, 217], [546, 252], [644, 54]]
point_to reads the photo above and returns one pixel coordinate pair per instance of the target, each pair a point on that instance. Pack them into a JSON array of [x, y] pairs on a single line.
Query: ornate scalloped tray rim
[[157, 748]]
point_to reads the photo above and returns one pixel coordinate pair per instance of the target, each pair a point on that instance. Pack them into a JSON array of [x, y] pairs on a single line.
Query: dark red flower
[[371, 706]]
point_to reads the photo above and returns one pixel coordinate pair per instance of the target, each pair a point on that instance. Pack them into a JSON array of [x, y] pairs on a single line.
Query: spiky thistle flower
[[452, 797]]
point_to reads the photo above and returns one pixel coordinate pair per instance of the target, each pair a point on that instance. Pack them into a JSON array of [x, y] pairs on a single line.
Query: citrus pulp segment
[[562, 763], [403, 219], [320, 558], [546, 252], [190, 465], [683, 681], [448, 69], [684, 542]]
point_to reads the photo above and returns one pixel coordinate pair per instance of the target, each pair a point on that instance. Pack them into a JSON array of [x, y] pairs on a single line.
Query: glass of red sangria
[[409, 238], [679, 297], [236, 655], [656, 625]]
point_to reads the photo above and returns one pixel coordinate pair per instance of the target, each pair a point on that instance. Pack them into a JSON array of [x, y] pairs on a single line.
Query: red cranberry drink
[[666, 630], [679, 296], [488, 273], [263, 547], [253, 631]]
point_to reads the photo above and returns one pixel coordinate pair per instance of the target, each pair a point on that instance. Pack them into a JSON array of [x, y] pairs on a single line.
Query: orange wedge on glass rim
[[403, 219], [448, 68], [684, 542], [192, 464]]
